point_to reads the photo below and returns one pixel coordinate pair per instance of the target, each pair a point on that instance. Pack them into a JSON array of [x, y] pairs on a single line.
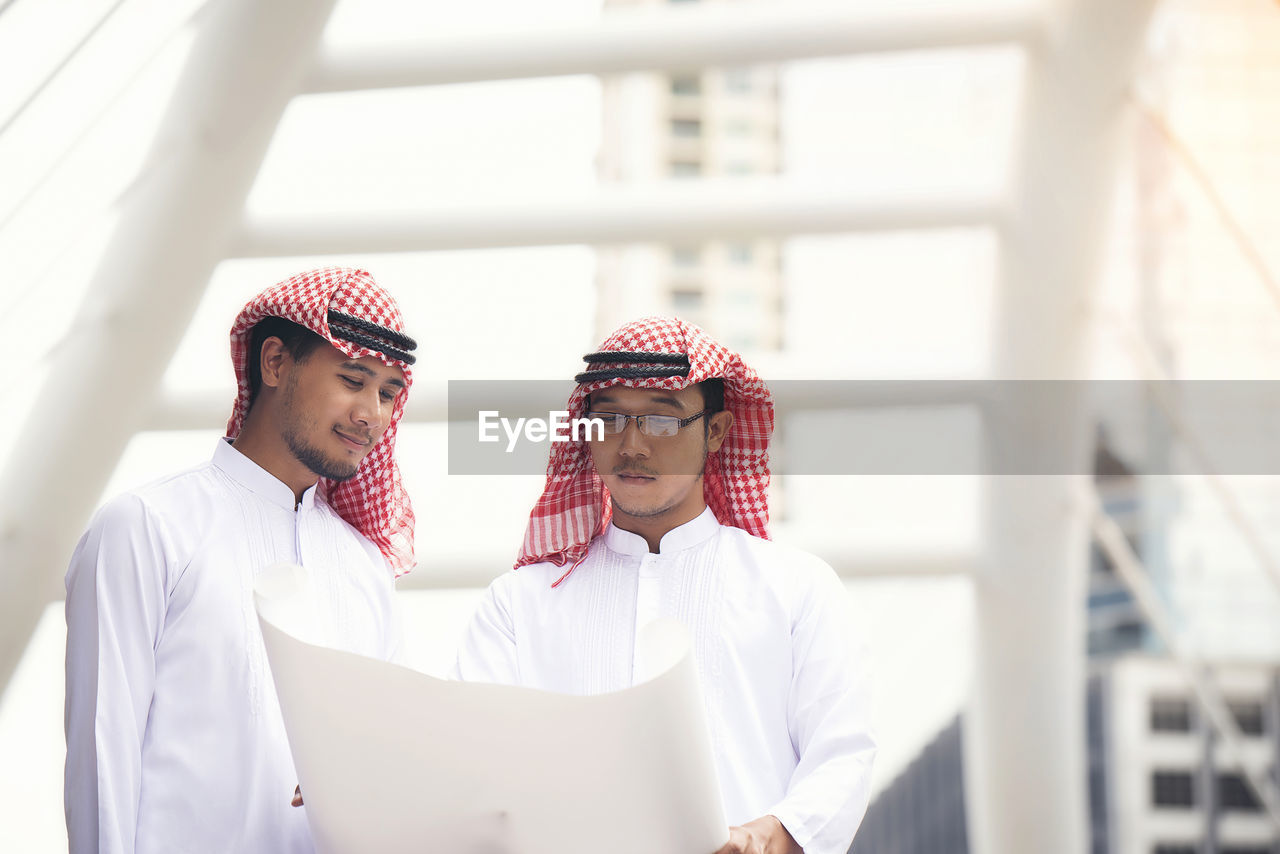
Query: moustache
[[633, 470]]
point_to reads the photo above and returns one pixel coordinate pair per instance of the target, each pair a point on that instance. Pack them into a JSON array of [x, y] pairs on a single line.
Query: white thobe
[[784, 687], [175, 741]]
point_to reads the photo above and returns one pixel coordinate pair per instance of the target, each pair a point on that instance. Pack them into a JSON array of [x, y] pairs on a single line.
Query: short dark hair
[[299, 342], [712, 401], [712, 395]]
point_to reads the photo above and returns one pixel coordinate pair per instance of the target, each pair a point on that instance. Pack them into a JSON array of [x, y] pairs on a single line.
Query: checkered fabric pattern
[[374, 501], [575, 506]]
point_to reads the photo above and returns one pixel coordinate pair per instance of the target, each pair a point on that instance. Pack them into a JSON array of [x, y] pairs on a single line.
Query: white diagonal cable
[[40, 87], [1160, 385], [1200, 175]]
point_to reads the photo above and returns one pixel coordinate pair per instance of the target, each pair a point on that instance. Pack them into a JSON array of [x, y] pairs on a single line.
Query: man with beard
[[175, 740], [666, 515]]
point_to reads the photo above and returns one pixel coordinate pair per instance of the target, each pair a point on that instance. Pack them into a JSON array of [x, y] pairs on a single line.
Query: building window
[[1175, 848], [686, 84], [739, 253], [1127, 635], [685, 299], [1248, 716], [1170, 714], [739, 127], [1246, 849], [685, 256], [1110, 598], [1234, 794], [1172, 789], [686, 128], [686, 168]]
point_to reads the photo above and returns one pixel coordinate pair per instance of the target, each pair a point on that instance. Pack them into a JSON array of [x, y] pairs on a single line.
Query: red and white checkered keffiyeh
[[575, 506], [374, 501]]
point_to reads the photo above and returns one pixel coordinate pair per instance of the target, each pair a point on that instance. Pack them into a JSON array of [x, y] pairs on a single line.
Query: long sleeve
[[115, 611], [393, 649], [829, 719], [487, 651]]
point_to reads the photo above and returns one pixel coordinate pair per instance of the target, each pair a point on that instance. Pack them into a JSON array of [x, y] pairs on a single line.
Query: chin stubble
[[317, 462]]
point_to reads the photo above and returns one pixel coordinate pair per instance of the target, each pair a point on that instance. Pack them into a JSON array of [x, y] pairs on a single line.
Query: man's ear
[[719, 429], [272, 361]]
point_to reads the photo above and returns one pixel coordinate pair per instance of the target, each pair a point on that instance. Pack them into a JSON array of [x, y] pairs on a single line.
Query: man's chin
[[639, 511], [322, 466], [339, 470]]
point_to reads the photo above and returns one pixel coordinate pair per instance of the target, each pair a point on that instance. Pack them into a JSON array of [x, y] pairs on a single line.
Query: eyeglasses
[[650, 425]]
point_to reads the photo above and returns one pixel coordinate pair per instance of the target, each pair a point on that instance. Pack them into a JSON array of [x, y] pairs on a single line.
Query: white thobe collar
[[258, 480], [691, 533]]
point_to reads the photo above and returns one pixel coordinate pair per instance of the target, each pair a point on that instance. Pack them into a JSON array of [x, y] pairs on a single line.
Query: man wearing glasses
[[666, 515]]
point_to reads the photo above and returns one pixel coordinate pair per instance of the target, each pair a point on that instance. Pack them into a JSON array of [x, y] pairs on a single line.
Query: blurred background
[[964, 190]]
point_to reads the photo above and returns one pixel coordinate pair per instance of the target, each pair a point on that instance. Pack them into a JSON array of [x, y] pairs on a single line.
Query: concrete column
[[1025, 756]]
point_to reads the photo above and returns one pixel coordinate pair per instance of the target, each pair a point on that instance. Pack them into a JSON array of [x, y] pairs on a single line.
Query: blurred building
[[1206, 122], [1203, 295], [1115, 624], [713, 124], [1158, 785], [923, 809]]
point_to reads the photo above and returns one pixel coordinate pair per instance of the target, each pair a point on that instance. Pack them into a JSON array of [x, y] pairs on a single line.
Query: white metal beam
[[461, 568], [680, 38], [245, 65], [429, 401], [1163, 392], [676, 211], [1024, 736]]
